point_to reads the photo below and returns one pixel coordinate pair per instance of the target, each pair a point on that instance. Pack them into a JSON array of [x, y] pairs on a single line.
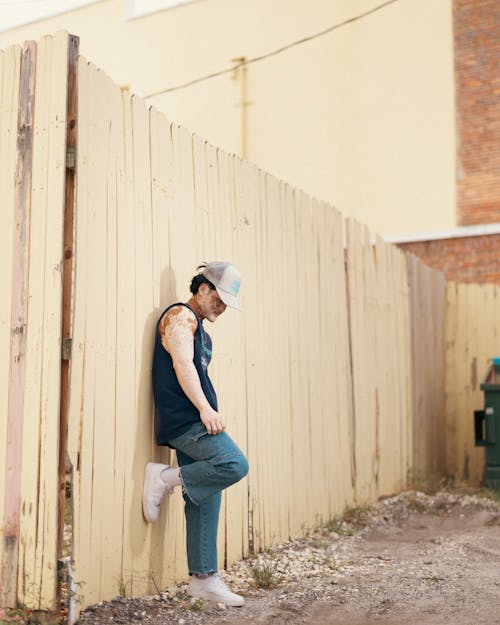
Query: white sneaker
[[212, 588], [154, 492]]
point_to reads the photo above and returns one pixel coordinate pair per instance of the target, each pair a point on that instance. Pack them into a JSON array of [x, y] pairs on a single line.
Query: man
[[187, 420]]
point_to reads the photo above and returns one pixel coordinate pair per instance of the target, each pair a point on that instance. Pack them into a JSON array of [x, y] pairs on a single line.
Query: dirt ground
[[412, 559]]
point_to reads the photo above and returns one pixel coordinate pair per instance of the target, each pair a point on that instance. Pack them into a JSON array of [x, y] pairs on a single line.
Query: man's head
[[215, 287]]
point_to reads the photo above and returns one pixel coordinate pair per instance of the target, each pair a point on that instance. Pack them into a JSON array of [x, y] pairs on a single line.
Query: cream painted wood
[[243, 183], [142, 186], [145, 320], [362, 336], [17, 71], [472, 339], [427, 293], [314, 375], [380, 365], [230, 353], [112, 237], [38, 531], [76, 434], [167, 535], [10, 64], [287, 283], [282, 366]]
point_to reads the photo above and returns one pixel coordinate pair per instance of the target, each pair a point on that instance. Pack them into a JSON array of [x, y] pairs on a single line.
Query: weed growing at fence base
[[195, 604], [10, 616], [352, 521], [25, 616], [266, 575], [428, 483]]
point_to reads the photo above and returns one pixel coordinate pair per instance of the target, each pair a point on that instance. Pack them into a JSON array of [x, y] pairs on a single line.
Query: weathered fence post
[[19, 313], [67, 284]]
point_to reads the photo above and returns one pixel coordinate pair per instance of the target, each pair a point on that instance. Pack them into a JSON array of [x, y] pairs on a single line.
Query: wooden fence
[[317, 376], [472, 339], [428, 319]]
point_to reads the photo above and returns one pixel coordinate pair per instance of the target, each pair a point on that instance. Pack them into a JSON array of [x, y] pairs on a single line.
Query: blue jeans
[[209, 464]]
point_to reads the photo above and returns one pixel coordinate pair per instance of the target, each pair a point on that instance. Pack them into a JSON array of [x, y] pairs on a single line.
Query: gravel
[[413, 558]]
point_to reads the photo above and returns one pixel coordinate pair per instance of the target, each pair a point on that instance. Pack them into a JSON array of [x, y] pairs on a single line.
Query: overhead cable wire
[[268, 55]]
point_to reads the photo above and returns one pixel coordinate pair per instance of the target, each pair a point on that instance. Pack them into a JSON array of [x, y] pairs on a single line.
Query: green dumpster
[[487, 424]]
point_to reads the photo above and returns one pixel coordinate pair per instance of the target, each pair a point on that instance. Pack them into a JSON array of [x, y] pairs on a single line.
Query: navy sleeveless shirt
[[174, 412]]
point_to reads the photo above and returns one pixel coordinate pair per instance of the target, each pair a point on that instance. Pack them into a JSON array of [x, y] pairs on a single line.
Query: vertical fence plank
[[293, 282], [166, 537], [101, 454], [16, 318], [108, 500], [38, 574], [283, 226], [403, 363], [243, 188], [263, 407], [10, 64], [360, 291], [286, 332], [230, 355], [136, 421], [76, 422], [346, 477], [452, 390], [427, 295], [67, 296], [40, 188], [10, 255], [386, 447]]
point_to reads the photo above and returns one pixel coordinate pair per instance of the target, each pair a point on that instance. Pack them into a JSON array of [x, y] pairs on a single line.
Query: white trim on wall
[[15, 13], [478, 230], [138, 8]]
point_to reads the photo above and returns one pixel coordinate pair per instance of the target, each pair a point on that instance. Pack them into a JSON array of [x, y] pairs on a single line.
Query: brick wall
[[462, 259], [477, 75]]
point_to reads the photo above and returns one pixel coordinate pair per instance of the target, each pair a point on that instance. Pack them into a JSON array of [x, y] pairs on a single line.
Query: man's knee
[[242, 467], [238, 468]]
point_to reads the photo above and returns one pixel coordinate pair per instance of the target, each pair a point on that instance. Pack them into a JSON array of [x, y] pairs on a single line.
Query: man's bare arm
[[177, 331]]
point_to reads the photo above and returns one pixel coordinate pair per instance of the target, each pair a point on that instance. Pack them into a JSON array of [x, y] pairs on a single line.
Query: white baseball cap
[[226, 279]]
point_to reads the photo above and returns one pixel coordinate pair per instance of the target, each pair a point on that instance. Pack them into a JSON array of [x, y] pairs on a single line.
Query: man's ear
[[203, 288]]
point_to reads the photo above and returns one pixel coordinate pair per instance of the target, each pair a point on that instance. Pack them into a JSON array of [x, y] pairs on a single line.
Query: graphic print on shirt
[[206, 355]]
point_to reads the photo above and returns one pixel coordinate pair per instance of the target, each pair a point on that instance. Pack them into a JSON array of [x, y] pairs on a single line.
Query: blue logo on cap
[[235, 287]]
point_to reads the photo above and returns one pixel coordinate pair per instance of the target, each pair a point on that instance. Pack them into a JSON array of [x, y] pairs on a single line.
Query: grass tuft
[[265, 575], [352, 521], [194, 604]]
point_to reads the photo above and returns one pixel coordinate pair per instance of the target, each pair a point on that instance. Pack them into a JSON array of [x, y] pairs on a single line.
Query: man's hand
[[212, 420]]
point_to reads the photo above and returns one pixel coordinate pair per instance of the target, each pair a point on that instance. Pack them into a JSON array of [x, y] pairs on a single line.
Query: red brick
[[477, 72], [462, 259]]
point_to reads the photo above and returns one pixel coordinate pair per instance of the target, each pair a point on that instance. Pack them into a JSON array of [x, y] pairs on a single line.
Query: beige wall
[[362, 117]]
